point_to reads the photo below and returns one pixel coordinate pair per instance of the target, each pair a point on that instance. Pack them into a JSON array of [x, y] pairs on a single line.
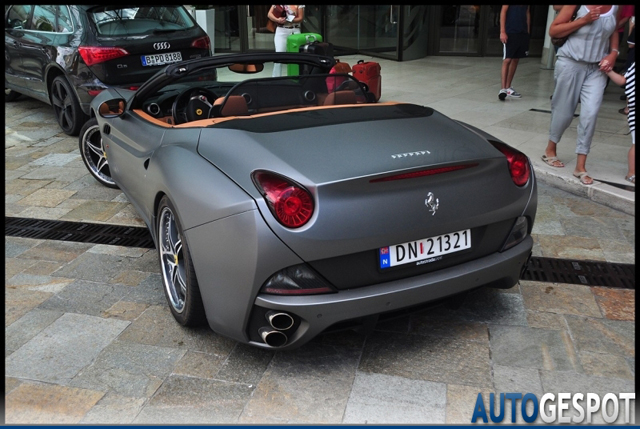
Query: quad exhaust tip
[[273, 338], [280, 321]]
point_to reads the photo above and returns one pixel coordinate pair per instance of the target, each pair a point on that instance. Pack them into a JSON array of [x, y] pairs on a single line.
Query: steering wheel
[[192, 104]]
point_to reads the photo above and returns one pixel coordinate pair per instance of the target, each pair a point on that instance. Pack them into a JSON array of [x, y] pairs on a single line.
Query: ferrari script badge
[[432, 202]]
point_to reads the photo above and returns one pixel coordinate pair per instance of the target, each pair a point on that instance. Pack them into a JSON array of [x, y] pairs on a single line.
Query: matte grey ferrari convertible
[[281, 209]]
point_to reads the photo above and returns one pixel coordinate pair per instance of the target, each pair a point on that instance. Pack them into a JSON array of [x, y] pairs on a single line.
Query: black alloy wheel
[[66, 106], [93, 154]]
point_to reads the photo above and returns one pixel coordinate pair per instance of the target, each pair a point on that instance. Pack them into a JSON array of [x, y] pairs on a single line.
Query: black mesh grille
[[588, 273], [128, 236]]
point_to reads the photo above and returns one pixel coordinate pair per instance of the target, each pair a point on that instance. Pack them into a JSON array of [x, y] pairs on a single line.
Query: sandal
[[631, 178], [584, 178], [552, 161]]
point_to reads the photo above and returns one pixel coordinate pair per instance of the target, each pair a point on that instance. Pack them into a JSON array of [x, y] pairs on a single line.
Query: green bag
[[293, 45]]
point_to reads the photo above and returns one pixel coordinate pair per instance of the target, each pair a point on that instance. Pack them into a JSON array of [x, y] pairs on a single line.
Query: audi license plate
[[160, 59], [425, 250]]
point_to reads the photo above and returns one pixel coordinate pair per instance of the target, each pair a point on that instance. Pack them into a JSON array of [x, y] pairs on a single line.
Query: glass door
[[459, 29], [371, 30]]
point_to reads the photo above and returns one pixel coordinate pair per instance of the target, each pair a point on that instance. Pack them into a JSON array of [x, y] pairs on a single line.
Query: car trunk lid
[[444, 178]]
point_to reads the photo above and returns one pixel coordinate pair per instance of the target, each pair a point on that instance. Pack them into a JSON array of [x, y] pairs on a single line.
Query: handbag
[[278, 12], [559, 41]]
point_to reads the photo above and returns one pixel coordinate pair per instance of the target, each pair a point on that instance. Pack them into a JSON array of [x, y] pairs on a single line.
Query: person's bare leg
[[550, 152], [631, 158], [505, 72], [512, 71], [582, 168]]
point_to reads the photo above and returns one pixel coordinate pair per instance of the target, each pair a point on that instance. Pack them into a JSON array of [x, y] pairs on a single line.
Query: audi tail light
[[202, 43], [290, 203], [99, 54], [518, 163]]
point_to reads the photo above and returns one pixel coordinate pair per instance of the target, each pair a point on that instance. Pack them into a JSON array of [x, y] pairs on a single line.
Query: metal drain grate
[[129, 236], [588, 273]]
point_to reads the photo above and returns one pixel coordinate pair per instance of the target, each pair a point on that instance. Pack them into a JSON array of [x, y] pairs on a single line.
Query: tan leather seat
[[340, 97], [235, 105]]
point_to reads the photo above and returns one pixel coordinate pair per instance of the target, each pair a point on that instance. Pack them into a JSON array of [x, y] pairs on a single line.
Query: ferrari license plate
[[160, 59], [425, 250]]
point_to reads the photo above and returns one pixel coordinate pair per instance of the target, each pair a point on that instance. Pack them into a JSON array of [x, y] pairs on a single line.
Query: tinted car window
[[64, 24], [18, 16], [44, 18], [110, 21]]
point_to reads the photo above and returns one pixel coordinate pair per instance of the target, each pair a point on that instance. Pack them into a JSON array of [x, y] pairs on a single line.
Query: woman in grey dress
[[592, 48]]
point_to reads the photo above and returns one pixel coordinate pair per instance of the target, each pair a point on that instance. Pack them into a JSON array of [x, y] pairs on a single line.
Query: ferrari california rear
[[283, 210]]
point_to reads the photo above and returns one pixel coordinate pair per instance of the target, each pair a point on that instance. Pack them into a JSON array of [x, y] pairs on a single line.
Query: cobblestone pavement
[[89, 337]]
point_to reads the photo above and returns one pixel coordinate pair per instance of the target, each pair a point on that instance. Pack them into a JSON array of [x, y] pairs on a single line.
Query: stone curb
[[599, 192]]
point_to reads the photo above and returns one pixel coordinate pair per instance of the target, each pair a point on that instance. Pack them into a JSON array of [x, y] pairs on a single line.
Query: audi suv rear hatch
[[134, 42]]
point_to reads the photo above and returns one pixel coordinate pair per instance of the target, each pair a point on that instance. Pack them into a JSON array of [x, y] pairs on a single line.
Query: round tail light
[[518, 163], [291, 204]]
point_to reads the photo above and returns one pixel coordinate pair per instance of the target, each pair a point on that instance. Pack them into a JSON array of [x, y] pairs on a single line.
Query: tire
[[93, 154], [178, 275], [10, 94], [66, 107]]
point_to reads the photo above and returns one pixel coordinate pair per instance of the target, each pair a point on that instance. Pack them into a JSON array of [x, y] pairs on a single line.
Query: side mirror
[[112, 108]]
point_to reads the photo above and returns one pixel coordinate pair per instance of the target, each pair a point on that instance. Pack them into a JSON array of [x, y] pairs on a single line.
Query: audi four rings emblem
[[161, 45]]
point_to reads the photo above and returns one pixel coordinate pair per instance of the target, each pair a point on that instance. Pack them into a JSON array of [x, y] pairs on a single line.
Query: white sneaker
[[512, 93], [502, 94]]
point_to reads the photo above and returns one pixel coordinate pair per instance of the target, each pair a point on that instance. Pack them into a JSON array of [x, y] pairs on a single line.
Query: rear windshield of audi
[[128, 21]]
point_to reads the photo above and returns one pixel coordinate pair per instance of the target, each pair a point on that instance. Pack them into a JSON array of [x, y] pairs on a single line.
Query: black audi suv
[[65, 55]]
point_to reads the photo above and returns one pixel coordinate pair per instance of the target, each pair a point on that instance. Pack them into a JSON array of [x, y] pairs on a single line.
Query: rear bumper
[[319, 312]]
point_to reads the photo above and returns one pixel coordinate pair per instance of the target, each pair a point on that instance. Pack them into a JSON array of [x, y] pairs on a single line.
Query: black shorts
[[517, 46]]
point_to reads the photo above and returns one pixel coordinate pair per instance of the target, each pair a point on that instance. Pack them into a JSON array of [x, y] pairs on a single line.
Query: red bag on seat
[[334, 82], [369, 73]]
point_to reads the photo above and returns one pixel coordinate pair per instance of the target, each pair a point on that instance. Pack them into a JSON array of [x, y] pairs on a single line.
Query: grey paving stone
[[306, 385], [513, 379], [560, 298], [444, 322], [129, 369], [492, 306], [586, 226], [28, 326], [64, 348], [15, 246], [418, 357], [572, 382], [384, 399], [157, 327], [55, 250], [57, 159], [149, 291], [605, 365], [96, 192], [63, 174], [85, 297], [603, 336], [114, 409], [246, 364], [95, 267], [533, 348], [184, 400]]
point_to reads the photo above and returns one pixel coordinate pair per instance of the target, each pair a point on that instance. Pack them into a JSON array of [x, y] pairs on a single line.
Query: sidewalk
[[466, 89]]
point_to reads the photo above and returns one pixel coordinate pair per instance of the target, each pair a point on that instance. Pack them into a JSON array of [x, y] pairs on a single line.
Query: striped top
[[590, 43], [630, 90]]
